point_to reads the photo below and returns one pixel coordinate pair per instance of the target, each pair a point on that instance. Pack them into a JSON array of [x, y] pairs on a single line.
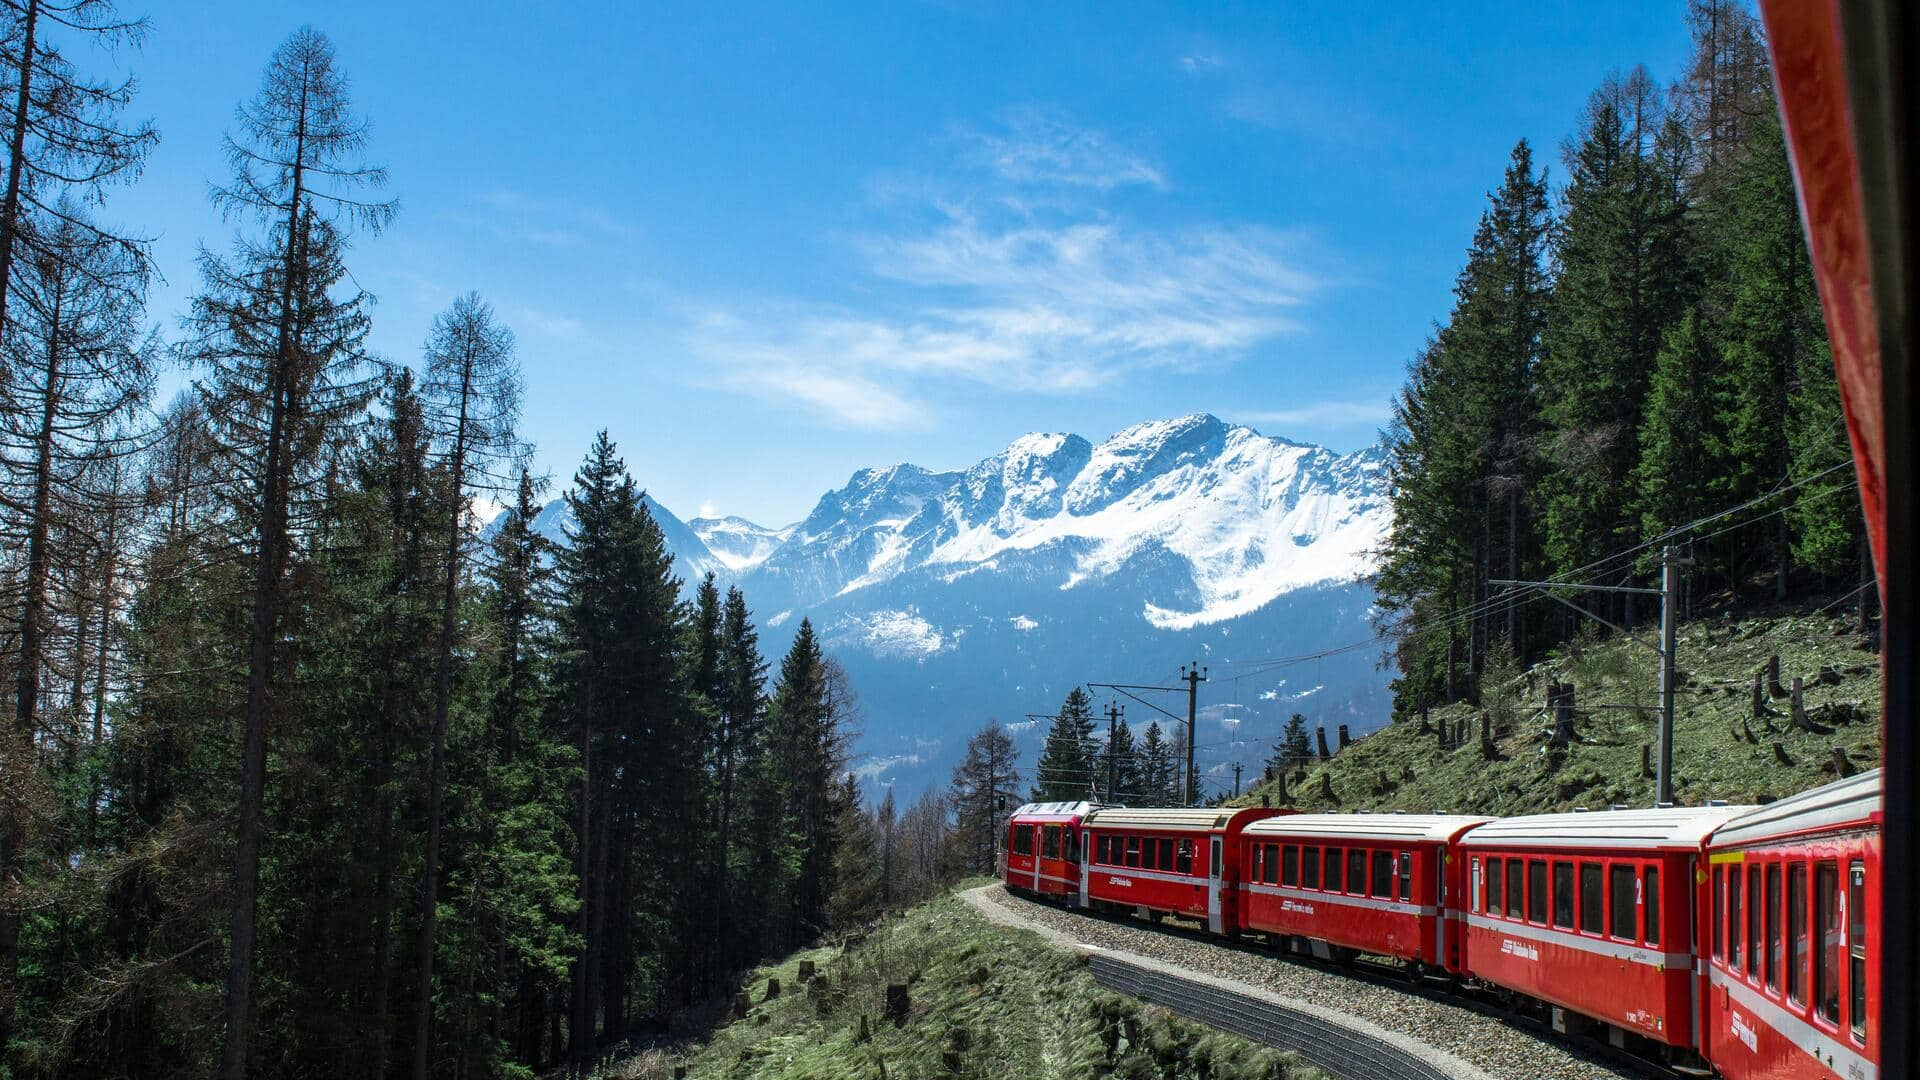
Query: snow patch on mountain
[[737, 543], [891, 633]]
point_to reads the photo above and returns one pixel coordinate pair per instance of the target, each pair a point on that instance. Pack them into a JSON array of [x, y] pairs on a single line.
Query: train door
[[1086, 845], [1213, 886]]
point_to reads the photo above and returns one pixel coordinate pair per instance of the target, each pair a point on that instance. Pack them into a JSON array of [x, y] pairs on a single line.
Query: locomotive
[[1732, 939]]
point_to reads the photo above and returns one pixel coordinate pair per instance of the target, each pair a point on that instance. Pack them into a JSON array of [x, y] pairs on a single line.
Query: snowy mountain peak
[[738, 543]]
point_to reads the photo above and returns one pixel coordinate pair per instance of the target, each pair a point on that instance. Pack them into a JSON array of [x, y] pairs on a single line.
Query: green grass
[[1400, 768], [1022, 1007]]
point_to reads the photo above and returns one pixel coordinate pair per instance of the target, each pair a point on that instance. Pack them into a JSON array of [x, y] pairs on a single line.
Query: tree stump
[[1760, 709], [899, 1005], [1841, 765], [773, 989], [806, 972], [1646, 760], [1280, 781], [1774, 689], [1828, 676], [679, 1072], [1320, 733], [1563, 733], [1799, 706], [1486, 734], [864, 1033], [1326, 788], [742, 1004], [1345, 739], [1780, 755]]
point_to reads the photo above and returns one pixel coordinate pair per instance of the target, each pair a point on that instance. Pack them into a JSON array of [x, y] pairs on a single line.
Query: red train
[[1736, 938]]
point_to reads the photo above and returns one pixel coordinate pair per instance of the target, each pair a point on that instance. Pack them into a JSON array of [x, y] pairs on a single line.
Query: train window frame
[[1310, 868], [1050, 842], [1516, 888], [1495, 895], [1857, 950], [1023, 833], [1826, 956], [1272, 876], [1622, 902], [1537, 891], [1593, 880], [1563, 892], [1133, 853], [1755, 909], [1334, 877], [1150, 854], [1382, 875], [1736, 927], [1357, 871], [1650, 906], [1259, 861], [1718, 928], [1798, 961], [1290, 866], [1406, 875], [1167, 856], [1776, 951]]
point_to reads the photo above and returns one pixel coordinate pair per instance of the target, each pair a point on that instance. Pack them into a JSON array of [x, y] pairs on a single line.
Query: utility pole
[[1113, 757], [1193, 675]]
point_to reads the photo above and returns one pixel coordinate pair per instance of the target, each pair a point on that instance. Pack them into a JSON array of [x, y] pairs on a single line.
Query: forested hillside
[[1635, 358], [301, 777]]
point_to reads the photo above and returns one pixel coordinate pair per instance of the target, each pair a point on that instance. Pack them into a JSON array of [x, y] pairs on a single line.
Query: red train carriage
[[1339, 884], [1793, 923], [1592, 913], [1043, 848], [1173, 861]]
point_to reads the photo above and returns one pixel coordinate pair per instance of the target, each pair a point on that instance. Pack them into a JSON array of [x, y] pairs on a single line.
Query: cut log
[[899, 1004], [1841, 765], [1345, 739], [1320, 733]]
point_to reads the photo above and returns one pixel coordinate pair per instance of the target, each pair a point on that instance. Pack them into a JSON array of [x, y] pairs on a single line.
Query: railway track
[[1346, 1044]]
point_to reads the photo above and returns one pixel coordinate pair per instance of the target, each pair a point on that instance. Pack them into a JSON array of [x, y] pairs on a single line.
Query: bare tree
[[471, 400], [283, 352]]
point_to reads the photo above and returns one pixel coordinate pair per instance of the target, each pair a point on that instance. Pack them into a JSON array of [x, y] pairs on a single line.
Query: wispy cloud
[[1034, 145], [1321, 413], [977, 288], [555, 223], [1195, 63]]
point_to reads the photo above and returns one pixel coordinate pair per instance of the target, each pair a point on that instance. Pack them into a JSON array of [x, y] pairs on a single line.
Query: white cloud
[[1199, 62], [1042, 146], [708, 509]]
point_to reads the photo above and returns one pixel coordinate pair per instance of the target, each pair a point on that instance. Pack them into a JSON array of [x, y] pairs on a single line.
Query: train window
[[1383, 873], [1537, 891], [1310, 868], [1107, 854], [1753, 921], [1734, 934], [1333, 870], [1516, 888], [1773, 927], [1652, 905], [1719, 913], [1563, 894], [1050, 842], [1259, 860], [1290, 866], [1797, 934], [1149, 858], [1826, 958], [1023, 840], [1272, 876], [1494, 903], [1356, 871], [1184, 864], [1406, 875], [1133, 851], [1593, 902], [1857, 948], [1166, 854], [1620, 893], [1074, 850]]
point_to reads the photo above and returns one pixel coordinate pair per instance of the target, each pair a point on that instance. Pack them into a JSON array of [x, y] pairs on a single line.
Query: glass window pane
[[1857, 948], [1334, 865], [1735, 932], [1774, 942], [1310, 868], [1650, 903], [1826, 958], [1382, 873], [1356, 871], [1797, 951], [1133, 851], [1494, 880], [1593, 905], [1166, 854], [1620, 891], [1537, 891], [1290, 866], [1563, 894], [1406, 875], [1719, 927], [1259, 861], [1273, 864], [1516, 887], [1754, 911]]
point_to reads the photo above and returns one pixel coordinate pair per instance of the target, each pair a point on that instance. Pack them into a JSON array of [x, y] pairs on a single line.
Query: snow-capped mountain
[[991, 591]]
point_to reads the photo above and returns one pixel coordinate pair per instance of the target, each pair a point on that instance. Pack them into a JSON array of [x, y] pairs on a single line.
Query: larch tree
[[471, 401], [282, 351]]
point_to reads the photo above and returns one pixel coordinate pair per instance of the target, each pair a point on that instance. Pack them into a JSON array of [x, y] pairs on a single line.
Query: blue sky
[[766, 245]]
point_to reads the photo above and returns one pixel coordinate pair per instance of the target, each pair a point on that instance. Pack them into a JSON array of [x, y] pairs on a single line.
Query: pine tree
[[858, 873], [805, 740], [1065, 770], [1292, 748], [1676, 469], [979, 797], [1159, 769], [1119, 766]]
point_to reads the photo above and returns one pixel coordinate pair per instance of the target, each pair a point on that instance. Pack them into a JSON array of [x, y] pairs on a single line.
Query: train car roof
[[1679, 827], [1056, 809], [1390, 827], [1169, 818], [1855, 800]]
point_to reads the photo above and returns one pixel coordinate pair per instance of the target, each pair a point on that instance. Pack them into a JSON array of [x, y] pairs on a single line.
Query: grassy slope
[[1029, 1010], [1400, 769]]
